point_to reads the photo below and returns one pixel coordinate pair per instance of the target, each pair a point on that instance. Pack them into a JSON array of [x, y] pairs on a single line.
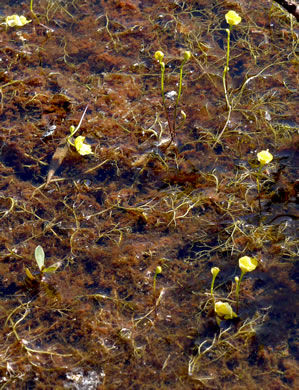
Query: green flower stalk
[[31, 9], [246, 264], [159, 56], [264, 157], [215, 271], [157, 272], [232, 19]]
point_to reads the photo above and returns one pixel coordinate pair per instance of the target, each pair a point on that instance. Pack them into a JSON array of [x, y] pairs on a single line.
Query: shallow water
[[110, 218]]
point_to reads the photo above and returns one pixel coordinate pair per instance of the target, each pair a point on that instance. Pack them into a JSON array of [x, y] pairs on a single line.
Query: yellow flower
[[247, 264], [16, 21], [81, 147], [187, 55], [232, 18], [159, 55], [215, 271], [264, 157], [224, 310]]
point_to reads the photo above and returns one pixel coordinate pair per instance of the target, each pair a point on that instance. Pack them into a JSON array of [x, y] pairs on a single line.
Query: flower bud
[[187, 55], [159, 55], [215, 271]]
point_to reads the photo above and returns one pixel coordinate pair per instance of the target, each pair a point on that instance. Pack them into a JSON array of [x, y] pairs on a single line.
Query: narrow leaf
[[29, 274]]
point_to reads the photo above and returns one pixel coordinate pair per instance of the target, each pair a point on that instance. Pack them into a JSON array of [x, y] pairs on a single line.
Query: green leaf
[[52, 267], [40, 257]]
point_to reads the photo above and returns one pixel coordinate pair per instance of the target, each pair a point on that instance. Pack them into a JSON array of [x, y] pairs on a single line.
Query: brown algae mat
[[107, 241]]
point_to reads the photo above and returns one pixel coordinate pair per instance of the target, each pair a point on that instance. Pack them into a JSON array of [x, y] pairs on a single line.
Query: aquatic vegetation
[[246, 264], [233, 19], [81, 147], [215, 271], [157, 272], [40, 261], [229, 342], [113, 216], [264, 157], [61, 151], [16, 21], [31, 8], [224, 310], [159, 56], [78, 143]]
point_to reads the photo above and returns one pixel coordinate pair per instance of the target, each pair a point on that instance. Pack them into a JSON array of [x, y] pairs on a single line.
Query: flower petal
[[232, 18], [81, 147]]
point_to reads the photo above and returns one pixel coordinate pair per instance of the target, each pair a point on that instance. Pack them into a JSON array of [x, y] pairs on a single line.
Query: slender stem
[[154, 285], [170, 126], [224, 81], [162, 81], [212, 286], [179, 94], [258, 185], [157, 272], [238, 290], [31, 10], [73, 130]]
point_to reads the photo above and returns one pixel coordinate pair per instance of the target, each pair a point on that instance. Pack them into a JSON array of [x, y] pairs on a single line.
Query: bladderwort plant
[[223, 310], [264, 157], [215, 271], [61, 151], [232, 19], [78, 143], [39, 255], [246, 264], [157, 272], [159, 56]]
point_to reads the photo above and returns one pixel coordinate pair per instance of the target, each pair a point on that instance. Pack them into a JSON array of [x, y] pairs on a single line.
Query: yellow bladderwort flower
[[247, 264], [16, 21], [264, 157], [232, 18], [159, 55], [224, 310], [81, 147]]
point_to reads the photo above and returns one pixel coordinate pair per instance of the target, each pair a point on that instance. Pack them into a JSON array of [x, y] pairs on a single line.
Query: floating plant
[[159, 56]]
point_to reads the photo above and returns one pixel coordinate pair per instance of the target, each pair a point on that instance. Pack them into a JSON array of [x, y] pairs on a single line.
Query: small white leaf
[[40, 257]]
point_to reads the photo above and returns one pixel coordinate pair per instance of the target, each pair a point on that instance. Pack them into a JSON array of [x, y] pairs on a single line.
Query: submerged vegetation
[[137, 209]]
